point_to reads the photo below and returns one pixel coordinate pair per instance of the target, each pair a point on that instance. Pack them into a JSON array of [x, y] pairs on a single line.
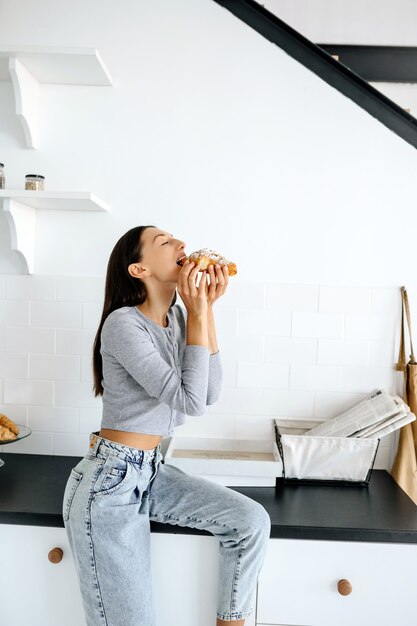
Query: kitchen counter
[[32, 488]]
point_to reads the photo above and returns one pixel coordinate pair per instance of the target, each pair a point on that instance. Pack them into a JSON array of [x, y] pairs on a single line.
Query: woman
[[154, 363]]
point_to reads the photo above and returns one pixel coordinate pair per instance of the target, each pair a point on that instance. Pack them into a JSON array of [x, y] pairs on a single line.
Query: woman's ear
[[137, 271]]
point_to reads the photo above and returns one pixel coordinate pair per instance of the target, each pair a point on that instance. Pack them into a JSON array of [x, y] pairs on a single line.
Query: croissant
[[205, 257], [6, 434], [6, 422]]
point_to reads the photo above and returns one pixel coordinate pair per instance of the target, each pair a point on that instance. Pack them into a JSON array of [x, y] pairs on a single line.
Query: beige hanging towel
[[404, 469]]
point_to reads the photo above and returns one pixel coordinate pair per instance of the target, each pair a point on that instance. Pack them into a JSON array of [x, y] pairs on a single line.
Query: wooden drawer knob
[[55, 555], [344, 587]]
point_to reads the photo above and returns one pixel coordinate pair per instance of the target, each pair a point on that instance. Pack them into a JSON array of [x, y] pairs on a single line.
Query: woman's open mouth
[[179, 261]]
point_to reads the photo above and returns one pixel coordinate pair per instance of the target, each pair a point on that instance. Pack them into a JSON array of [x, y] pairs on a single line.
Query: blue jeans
[[110, 497]]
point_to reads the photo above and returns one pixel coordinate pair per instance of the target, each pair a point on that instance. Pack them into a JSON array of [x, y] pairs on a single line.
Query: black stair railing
[[333, 72]]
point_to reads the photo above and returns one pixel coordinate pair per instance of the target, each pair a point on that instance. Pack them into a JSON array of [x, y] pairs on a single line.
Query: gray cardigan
[[151, 378]]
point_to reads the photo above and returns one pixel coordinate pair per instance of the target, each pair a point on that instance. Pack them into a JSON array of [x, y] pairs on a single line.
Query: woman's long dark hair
[[121, 289]]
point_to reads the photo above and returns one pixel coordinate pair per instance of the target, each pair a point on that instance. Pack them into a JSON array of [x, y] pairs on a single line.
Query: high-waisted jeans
[[110, 497]]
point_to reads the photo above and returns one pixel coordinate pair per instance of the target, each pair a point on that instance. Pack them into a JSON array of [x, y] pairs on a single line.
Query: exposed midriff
[[133, 440]]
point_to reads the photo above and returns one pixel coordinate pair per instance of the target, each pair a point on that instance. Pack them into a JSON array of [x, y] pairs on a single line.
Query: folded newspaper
[[374, 417]]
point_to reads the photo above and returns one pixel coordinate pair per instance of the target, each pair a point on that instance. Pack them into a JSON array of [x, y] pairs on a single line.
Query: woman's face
[[160, 253]]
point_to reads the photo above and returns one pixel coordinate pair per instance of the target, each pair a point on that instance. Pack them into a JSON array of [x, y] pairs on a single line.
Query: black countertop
[[32, 488]]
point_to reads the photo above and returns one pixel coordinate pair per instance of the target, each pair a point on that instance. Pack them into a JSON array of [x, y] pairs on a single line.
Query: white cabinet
[[34, 590], [38, 592], [298, 584], [185, 571]]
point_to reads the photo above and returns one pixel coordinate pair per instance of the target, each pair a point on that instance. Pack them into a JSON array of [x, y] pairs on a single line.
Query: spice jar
[[35, 182], [2, 179]]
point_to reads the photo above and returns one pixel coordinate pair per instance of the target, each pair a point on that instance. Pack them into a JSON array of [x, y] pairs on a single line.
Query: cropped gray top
[[151, 378]]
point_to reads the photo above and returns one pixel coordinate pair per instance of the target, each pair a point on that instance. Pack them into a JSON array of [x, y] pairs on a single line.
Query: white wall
[[219, 137]]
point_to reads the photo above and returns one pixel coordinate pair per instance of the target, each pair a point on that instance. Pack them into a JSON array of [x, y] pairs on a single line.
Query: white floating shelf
[[29, 66], [51, 64], [20, 206], [56, 200]]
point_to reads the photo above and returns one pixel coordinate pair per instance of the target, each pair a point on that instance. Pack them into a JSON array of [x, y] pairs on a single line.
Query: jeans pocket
[[114, 474], [69, 493]]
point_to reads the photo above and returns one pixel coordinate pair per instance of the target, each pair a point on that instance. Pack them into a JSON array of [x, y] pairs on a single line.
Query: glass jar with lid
[[35, 182], [2, 178]]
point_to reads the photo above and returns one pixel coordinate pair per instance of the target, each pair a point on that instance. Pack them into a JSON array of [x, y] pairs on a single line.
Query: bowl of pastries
[[10, 431]]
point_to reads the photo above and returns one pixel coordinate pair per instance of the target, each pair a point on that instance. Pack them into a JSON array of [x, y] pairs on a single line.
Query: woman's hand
[[194, 298], [219, 279]]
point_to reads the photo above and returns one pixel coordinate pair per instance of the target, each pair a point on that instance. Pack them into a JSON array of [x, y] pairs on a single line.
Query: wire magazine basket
[[322, 460]]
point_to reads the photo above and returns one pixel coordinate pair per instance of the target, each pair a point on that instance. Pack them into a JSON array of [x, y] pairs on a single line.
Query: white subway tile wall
[[299, 351]]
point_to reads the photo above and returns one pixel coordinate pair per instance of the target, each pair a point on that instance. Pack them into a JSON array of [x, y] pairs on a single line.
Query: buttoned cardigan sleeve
[[215, 378], [133, 348]]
